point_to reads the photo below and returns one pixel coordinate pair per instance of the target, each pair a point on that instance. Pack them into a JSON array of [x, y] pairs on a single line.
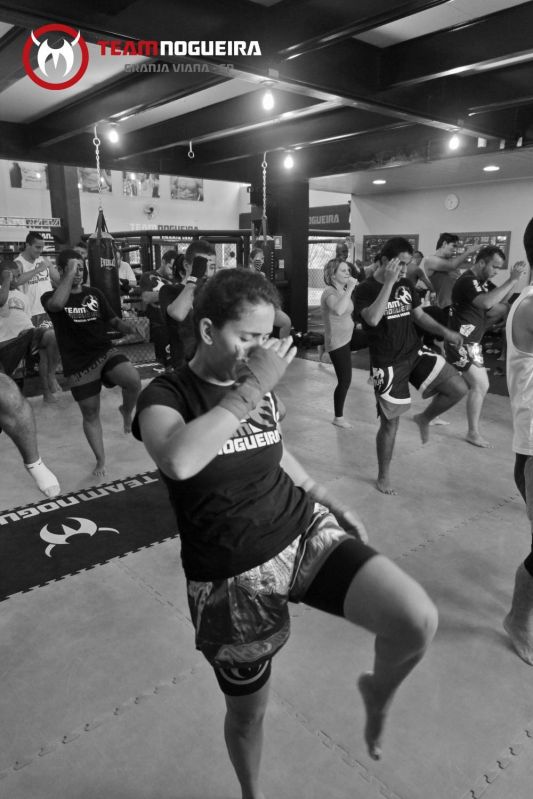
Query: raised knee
[[11, 400], [421, 625]]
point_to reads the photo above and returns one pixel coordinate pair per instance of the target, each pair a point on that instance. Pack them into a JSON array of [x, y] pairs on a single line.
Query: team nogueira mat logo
[[50, 540]]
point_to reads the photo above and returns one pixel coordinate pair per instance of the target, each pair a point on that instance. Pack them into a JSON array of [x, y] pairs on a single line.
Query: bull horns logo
[[85, 527], [73, 49], [45, 51]]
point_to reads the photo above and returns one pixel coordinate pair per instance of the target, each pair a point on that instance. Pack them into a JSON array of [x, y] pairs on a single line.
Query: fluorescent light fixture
[[379, 182], [491, 168]]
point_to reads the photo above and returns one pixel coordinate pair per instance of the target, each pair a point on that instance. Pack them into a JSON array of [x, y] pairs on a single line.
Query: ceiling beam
[[11, 69], [288, 135], [364, 15], [217, 121], [130, 94], [472, 46]]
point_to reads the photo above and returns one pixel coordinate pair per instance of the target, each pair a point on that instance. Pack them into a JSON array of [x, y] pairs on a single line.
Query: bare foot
[[423, 426], [49, 398], [126, 418], [438, 420], [478, 441], [520, 637], [55, 388], [99, 470], [340, 421], [375, 715], [385, 487]]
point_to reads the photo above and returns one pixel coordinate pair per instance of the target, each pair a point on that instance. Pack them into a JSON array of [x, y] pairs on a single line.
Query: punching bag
[[104, 262]]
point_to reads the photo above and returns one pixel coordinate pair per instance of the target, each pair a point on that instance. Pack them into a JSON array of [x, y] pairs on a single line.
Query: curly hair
[[222, 297]]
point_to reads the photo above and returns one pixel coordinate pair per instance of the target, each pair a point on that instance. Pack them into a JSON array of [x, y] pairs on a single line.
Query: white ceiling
[[446, 173], [455, 12]]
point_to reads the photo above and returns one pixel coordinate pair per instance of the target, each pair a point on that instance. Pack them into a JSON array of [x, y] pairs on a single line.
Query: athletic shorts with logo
[[242, 621], [465, 356], [425, 370], [89, 381]]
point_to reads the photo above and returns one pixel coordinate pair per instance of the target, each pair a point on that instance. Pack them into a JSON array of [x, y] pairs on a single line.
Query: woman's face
[[233, 342], [342, 273]]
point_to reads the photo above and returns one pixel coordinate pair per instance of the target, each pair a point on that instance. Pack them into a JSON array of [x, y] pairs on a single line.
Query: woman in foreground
[[256, 530]]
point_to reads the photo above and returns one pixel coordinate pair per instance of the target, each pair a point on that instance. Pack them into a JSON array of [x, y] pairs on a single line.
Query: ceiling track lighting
[[112, 134], [454, 142], [288, 161], [267, 100]]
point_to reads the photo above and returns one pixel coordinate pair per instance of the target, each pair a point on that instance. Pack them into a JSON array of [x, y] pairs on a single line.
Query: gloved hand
[[259, 374], [199, 268]]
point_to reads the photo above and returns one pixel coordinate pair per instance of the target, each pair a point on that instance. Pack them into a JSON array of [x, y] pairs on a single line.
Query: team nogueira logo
[[61, 53], [80, 527]]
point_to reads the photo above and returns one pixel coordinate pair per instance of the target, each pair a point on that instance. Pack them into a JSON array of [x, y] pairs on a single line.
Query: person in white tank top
[[519, 329]]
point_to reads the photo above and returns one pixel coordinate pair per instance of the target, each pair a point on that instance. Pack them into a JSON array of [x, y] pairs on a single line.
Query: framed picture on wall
[[140, 184], [497, 238], [28, 175], [88, 180], [186, 188], [372, 245]]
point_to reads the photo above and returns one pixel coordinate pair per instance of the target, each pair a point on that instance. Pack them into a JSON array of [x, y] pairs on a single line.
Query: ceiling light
[[491, 168], [133, 176], [379, 182], [268, 100], [481, 142], [455, 142], [288, 161], [113, 135]]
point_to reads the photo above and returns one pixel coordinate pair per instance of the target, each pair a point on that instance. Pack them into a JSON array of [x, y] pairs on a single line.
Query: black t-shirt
[[242, 508], [395, 338], [470, 321], [180, 334], [81, 328]]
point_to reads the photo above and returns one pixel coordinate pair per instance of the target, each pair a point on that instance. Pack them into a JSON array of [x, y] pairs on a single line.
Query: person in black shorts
[[477, 303], [256, 530], [81, 316], [389, 307]]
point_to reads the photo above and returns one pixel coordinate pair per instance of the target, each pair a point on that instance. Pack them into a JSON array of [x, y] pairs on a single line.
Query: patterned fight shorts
[[242, 621]]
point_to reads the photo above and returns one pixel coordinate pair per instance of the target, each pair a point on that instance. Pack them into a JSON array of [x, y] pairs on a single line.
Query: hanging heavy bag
[[104, 263]]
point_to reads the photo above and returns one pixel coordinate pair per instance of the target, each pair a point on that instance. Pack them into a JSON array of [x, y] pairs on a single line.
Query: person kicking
[[389, 306], [81, 316]]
